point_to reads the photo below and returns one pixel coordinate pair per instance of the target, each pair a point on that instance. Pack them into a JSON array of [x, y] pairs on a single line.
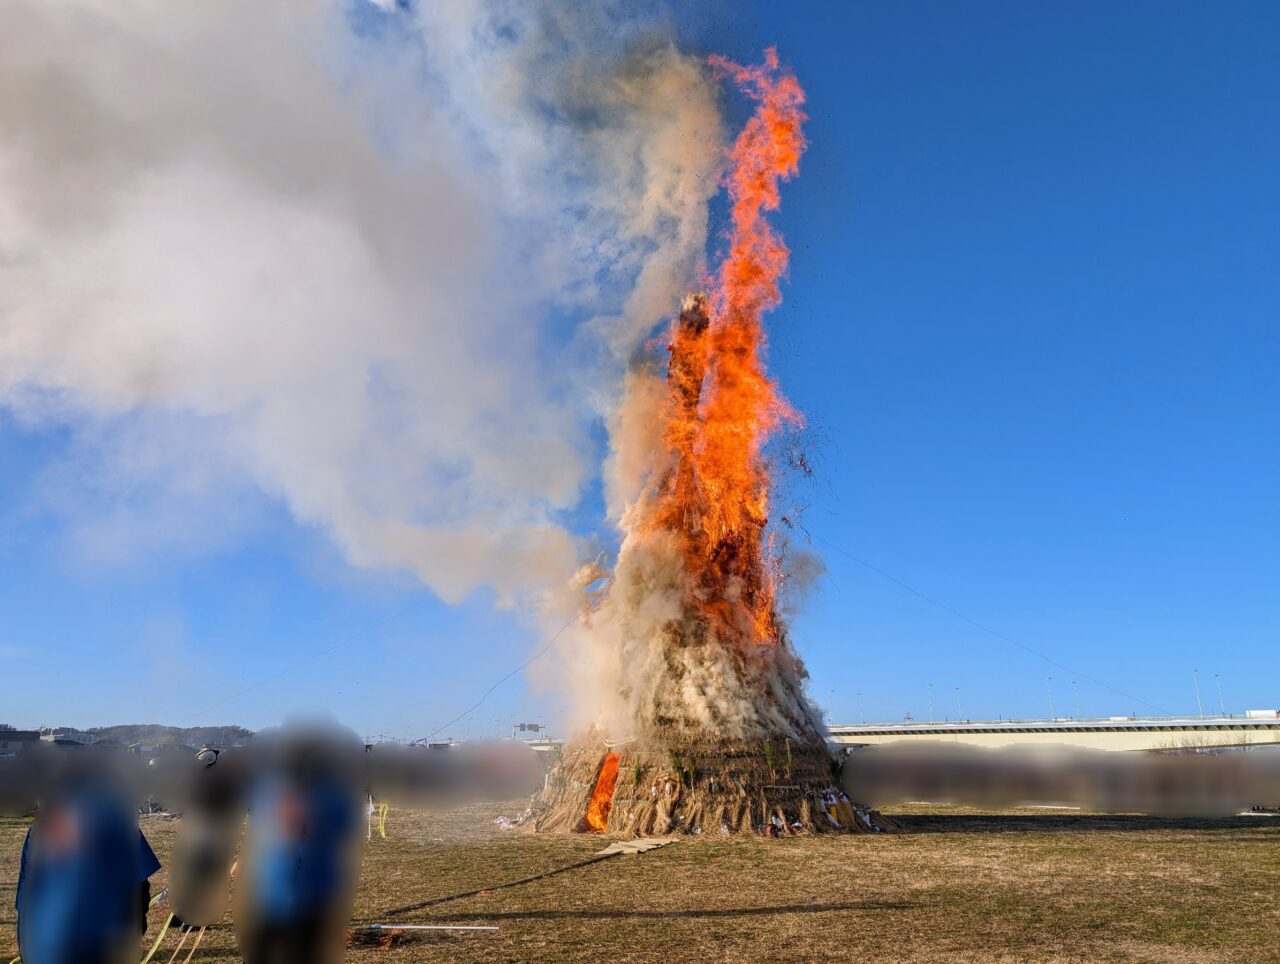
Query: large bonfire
[[713, 729]]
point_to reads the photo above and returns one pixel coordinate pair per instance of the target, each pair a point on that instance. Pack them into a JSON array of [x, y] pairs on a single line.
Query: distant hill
[[157, 735]]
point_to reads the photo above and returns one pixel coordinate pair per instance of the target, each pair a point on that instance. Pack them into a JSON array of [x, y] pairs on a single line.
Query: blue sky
[[1032, 321]]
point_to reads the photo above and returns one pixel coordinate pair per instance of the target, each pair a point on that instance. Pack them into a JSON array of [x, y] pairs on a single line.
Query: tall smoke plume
[[385, 264], [687, 637]]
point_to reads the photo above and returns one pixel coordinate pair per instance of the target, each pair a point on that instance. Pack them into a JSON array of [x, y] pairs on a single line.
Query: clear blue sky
[[1033, 318]]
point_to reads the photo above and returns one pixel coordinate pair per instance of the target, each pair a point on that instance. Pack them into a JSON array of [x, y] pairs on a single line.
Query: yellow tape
[[159, 937]]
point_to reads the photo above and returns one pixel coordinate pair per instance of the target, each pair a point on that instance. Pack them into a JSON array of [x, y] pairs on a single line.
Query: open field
[[1026, 884]]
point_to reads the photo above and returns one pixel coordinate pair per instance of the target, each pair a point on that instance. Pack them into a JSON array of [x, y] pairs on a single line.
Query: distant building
[[446, 744], [66, 734], [12, 741]]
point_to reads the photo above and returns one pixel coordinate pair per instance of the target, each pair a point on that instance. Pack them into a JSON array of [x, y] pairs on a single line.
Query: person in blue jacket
[[84, 882]]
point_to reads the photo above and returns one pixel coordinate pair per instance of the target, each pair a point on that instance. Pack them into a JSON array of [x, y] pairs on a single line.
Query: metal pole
[[930, 702], [1222, 707], [1195, 679], [862, 716], [831, 695], [959, 713], [1076, 691], [1048, 685]]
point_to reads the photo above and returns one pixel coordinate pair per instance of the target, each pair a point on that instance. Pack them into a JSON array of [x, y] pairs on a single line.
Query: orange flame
[[602, 797], [722, 406]]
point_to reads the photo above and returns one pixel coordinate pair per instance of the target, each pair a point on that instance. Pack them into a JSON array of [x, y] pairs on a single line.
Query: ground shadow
[[674, 914]]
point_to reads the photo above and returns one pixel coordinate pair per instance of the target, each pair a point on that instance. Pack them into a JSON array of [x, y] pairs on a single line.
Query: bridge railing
[[1061, 722]]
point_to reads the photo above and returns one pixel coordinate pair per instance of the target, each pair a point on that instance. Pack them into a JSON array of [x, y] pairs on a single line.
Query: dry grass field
[[955, 885]]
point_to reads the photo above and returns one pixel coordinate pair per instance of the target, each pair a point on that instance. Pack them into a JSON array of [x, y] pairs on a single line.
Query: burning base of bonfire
[[654, 787], [698, 666]]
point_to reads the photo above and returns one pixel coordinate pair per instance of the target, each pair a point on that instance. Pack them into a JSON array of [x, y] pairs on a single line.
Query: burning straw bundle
[[712, 786], [719, 734]]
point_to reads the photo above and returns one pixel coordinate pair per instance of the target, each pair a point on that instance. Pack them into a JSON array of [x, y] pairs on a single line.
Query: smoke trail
[[347, 256]]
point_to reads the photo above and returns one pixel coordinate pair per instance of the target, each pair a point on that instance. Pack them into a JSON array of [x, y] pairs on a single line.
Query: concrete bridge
[[1112, 733]]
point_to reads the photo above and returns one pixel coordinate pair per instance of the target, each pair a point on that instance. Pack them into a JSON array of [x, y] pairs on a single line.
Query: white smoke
[[354, 256], [645, 662]]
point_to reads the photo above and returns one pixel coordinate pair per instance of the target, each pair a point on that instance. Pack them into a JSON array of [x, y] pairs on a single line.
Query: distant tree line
[[157, 735]]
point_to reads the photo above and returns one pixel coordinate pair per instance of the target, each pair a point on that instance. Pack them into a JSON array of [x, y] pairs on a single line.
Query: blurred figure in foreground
[[204, 852], [302, 847], [84, 883]]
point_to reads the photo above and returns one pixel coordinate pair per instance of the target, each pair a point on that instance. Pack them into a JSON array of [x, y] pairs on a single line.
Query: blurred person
[[204, 852], [84, 882], [302, 847]]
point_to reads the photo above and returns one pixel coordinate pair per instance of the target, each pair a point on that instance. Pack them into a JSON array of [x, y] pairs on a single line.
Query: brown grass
[[957, 885]]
